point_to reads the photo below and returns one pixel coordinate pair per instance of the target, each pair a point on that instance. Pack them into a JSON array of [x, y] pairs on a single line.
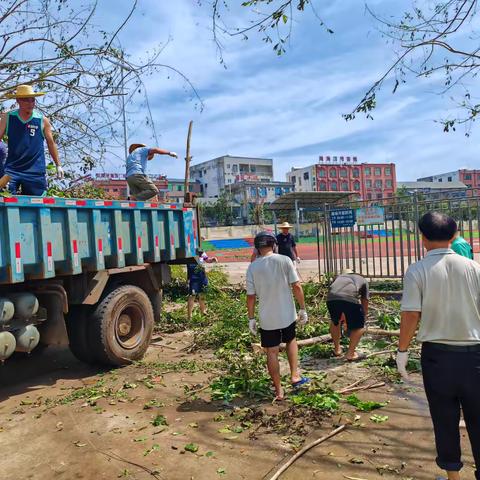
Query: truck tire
[[77, 329], [121, 326]]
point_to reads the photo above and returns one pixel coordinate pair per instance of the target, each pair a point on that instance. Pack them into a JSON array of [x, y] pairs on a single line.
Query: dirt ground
[[48, 433]]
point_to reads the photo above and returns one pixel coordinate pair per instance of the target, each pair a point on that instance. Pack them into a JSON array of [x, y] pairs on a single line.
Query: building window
[[306, 176], [321, 173], [253, 192], [179, 188], [253, 169], [449, 179], [343, 172], [379, 195], [368, 183], [293, 179], [234, 168], [333, 173], [356, 173], [367, 171], [369, 196], [262, 191], [278, 191], [440, 179], [388, 171], [345, 186], [200, 174], [378, 171], [323, 186], [378, 184], [228, 166], [333, 186], [388, 183], [356, 186]]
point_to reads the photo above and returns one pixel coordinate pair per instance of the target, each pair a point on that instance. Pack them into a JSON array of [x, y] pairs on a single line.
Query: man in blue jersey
[[27, 129], [140, 185]]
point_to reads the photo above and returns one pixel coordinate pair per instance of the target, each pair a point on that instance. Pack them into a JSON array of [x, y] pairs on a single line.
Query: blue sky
[[287, 108]]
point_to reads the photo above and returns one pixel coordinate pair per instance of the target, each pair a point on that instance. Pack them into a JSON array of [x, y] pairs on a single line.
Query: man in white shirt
[[442, 293], [272, 278]]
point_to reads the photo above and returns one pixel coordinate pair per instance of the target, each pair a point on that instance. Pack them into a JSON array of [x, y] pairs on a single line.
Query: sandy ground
[[44, 436], [48, 433]]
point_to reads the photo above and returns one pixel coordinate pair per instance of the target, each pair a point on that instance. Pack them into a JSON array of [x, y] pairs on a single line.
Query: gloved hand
[[60, 172], [298, 259], [402, 360], [173, 154], [302, 317], [252, 326]]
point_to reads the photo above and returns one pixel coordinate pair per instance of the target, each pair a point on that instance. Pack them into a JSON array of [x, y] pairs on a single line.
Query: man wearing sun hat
[[140, 185], [286, 243], [27, 129]]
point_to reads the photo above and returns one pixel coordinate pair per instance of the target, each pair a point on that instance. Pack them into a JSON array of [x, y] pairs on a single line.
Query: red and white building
[[369, 181]]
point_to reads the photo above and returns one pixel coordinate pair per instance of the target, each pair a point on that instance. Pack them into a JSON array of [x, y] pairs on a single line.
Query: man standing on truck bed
[[26, 129], [140, 185]]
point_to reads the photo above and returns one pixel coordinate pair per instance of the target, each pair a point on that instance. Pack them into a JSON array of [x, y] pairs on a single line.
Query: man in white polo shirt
[[272, 278], [442, 293]]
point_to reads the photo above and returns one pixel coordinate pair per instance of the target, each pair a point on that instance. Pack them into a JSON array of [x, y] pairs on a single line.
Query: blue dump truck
[[87, 273]]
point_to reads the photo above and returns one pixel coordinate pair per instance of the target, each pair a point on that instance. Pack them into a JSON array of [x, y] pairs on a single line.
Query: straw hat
[[24, 91], [347, 271], [134, 146], [285, 225]]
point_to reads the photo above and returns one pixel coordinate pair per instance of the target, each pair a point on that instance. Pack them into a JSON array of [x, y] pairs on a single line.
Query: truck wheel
[[121, 326], [77, 328]]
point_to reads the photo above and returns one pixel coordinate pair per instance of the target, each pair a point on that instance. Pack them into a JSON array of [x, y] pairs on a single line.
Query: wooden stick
[[365, 387], [305, 449], [187, 164], [356, 383]]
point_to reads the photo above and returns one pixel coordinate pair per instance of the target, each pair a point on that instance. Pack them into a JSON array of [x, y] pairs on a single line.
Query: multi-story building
[[304, 179], [249, 193], [176, 190], [343, 173], [170, 190], [470, 178], [216, 175], [115, 184], [435, 190]]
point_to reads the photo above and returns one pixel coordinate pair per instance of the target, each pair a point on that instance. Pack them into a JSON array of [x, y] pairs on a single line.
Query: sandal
[[302, 381]]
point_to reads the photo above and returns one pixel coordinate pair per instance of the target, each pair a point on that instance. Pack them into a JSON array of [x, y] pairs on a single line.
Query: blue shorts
[[196, 287], [35, 185]]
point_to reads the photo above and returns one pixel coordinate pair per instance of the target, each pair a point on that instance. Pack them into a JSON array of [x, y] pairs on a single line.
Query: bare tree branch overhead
[[430, 38], [56, 46]]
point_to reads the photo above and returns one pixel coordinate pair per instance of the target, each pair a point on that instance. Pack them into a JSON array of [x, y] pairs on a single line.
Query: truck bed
[[43, 237]]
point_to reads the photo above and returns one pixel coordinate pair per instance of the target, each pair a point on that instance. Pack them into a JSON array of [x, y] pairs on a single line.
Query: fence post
[[297, 220], [417, 233]]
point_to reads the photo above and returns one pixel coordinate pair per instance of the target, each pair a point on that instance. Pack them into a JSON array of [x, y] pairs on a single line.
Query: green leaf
[[191, 447], [379, 418], [159, 420], [221, 471], [362, 406]]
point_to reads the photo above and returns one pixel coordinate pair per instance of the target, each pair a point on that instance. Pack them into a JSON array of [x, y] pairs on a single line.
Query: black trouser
[[451, 376]]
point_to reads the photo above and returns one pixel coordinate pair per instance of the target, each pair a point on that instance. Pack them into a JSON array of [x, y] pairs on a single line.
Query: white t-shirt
[[445, 288], [270, 278]]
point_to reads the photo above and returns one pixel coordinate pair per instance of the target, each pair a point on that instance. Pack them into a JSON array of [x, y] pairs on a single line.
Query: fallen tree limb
[[381, 331], [305, 449]]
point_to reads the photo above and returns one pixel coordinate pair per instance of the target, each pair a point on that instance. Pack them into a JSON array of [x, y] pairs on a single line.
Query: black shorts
[[354, 315], [273, 338]]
